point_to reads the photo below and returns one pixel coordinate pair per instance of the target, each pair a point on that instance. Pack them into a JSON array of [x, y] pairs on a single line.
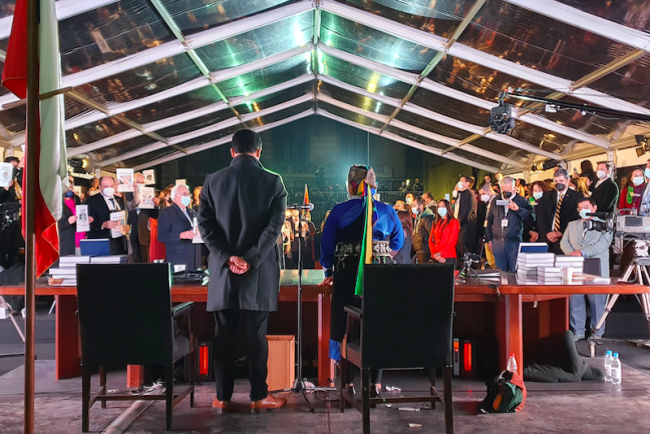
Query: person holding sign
[[100, 208], [68, 236], [176, 230]]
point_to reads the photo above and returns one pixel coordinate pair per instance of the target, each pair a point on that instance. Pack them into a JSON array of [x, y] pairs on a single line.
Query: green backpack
[[503, 396]]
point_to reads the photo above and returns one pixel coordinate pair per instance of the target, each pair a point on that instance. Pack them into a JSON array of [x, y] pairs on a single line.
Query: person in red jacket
[[444, 234]]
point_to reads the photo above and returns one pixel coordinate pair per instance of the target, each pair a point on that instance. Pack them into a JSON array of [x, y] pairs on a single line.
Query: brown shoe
[[221, 406], [268, 403]]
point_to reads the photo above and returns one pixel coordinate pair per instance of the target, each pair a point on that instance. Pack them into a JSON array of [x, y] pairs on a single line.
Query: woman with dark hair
[[632, 191], [587, 169], [537, 190], [444, 234], [404, 254]]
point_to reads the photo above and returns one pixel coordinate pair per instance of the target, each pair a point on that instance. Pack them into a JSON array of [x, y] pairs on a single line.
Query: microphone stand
[[299, 383]]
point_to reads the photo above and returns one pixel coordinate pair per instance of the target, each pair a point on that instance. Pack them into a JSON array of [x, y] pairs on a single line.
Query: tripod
[[299, 383], [5, 305]]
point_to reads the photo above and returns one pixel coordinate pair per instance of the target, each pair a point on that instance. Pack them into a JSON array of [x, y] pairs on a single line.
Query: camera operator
[[505, 225], [580, 239]]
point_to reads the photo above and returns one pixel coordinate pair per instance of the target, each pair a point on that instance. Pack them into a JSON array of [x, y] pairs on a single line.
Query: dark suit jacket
[[98, 210], [516, 220], [605, 195], [171, 222], [467, 218], [546, 212], [242, 214], [67, 231]]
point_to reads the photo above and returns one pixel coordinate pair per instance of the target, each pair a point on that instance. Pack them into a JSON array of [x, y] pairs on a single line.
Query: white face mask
[[538, 195], [460, 185], [108, 192], [637, 180], [601, 174], [647, 173], [415, 211], [409, 200], [454, 194], [485, 197]]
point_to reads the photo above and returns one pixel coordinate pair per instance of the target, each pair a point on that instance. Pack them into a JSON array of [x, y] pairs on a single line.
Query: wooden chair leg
[[169, 398], [102, 383], [365, 399], [449, 408], [344, 382], [432, 386], [85, 398]]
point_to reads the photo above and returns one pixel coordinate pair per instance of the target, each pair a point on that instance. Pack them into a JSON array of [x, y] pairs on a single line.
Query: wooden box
[[282, 362]]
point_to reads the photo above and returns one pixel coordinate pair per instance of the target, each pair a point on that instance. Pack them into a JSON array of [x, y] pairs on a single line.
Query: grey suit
[[592, 244]]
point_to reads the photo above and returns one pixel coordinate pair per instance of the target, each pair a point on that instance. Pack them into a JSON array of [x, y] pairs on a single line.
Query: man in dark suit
[[556, 209], [139, 219], [605, 191], [240, 218], [176, 230], [100, 207], [465, 210]]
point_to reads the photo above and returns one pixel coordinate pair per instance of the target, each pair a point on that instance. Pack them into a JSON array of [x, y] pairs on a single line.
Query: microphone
[[308, 207]]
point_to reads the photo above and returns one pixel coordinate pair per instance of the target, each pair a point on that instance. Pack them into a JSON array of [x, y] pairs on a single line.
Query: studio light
[[644, 147], [501, 120], [545, 165]]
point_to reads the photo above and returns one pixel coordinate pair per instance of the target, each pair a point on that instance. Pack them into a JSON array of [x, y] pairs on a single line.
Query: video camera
[[622, 225]]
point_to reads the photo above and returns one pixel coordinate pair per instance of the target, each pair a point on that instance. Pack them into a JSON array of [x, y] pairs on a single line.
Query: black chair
[[401, 327], [126, 318]]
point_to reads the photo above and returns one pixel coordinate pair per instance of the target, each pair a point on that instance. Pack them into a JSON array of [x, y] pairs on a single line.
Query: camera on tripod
[[601, 221]]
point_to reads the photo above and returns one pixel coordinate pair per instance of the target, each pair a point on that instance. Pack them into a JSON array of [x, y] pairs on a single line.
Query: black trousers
[[255, 325]]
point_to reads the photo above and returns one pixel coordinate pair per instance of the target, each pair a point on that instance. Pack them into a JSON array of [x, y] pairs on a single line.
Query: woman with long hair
[[404, 254], [537, 190], [444, 234]]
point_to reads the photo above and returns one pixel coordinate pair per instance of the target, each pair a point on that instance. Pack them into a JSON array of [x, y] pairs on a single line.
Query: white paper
[[124, 180], [6, 170], [149, 177], [146, 195], [181, 182], [197, 235], [447, 197], [118, 216], [82, 218]]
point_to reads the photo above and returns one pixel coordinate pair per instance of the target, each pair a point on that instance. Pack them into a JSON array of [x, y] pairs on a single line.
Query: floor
[[586, 407]]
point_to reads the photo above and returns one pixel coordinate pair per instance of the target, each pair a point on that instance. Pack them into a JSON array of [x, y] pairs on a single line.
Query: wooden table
[[508, 291]]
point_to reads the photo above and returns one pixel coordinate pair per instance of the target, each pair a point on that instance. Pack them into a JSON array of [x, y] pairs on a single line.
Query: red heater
[[464, 357], [205, 362]]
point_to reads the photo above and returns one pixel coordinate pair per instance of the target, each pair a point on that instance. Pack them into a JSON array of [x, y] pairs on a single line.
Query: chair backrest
[[592, 266], [125, 314], [407, 316]]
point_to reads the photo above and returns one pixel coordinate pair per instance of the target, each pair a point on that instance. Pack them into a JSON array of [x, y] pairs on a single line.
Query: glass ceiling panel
[[431, 125], [543, 139], [172, 106], [346, 114], [502, 149], [197, 123], [90, 133], [478, 158], [14, 119], [416, 138], [539, 42], [631, 83], [261, 79], [108, 33], [372, 44], [198, 15], [360, 101], [122, 147], [450, 107], [630, 13], [144, 159], [440, 17], [278, 116], [272, 39], [359, 76], [274, 99]]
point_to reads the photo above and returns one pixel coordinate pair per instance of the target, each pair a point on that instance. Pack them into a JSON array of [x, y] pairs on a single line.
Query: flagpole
[[28, 196]]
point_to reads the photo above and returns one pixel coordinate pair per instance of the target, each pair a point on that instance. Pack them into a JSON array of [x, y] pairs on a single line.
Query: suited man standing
[[556, 209], [176, 230], [100, 207], [240, 218], [579, 241], [605, 191], [465, 210]]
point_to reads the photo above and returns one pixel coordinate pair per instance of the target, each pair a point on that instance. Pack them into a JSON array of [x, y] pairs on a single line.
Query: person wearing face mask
[[556, 209], [444, 235], [605, 191], [505, 225], [465, 212], [486, 196], [579, 240], [409, 198], [176, 229], [632, 192], [645, 199], [100, 207], [537, 188], [68, 236], [423, 222]]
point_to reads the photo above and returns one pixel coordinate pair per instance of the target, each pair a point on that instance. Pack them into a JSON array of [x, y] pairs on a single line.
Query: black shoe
[[375, 392]]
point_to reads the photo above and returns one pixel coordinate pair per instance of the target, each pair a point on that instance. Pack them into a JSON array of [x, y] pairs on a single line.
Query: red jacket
[[444, 237]]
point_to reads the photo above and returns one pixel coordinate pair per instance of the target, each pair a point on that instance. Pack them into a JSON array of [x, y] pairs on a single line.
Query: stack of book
[[529, 263], [66, 273], [549, 275], [575, 262], [112, 259]]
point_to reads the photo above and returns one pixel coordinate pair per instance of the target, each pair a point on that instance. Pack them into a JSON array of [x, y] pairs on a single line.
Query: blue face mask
[[538, 195], [584, 212], [442, 212], [186, 200], [647, 173]]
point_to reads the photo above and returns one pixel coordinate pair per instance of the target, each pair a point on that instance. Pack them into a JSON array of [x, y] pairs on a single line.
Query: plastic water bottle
[[512, 363], [608, 366], [616, 370]]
